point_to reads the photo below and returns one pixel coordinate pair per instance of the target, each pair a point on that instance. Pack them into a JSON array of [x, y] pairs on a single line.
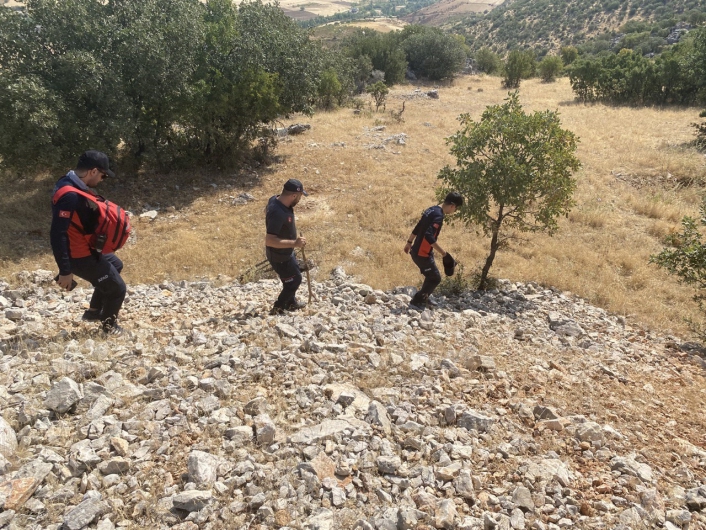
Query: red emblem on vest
[[64, 213], [289, 219]]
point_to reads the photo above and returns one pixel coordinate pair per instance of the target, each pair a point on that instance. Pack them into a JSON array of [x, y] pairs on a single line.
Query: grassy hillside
[[552, 23], [367, 193]]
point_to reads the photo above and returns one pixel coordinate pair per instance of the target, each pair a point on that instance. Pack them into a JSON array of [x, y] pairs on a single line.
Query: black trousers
[[288, 271], [103, 272], [432, 276]]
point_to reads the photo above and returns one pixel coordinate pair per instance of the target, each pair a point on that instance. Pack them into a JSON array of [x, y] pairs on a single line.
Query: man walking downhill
[[423, 241], [73, 217], [280, 242]]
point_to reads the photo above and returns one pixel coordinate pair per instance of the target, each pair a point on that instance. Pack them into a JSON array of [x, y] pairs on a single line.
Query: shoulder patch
[[436, 225], [289, 219], [64, 213]]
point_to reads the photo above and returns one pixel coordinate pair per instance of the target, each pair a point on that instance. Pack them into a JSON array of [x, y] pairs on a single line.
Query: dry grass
[[364, 203]]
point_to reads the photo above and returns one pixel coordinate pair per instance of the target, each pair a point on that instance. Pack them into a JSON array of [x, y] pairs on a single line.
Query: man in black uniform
[[280, 242], [422, 243], [74, 216]]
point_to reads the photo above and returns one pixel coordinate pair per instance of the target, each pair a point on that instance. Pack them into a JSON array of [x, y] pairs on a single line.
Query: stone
[[475, 421], [63, 395], [8, 439], [18, 491], [265, 430], [120, 446], [629, 466], [590, 432], [325, 430], [256, 406], [463, 484], [522, 498], [202, 467], [192, 500], [377, 415], [544, 413], [388, 464], [114, 466], [321, 519], [408, 518], [84, 514], [445, 515], [481, 363]]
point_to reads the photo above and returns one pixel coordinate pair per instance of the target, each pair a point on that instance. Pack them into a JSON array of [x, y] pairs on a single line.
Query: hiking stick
[[308, 279]]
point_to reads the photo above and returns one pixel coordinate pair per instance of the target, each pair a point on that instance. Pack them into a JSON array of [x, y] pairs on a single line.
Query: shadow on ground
[[25, 203]]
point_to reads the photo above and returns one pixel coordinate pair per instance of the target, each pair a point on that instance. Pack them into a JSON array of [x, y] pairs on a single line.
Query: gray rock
[[256, 406], [475, 421], [408, 518], [322, 519], [202, 467], [326, 430], [590, 432], [522, 498], [192, 500], [63, 395], [8, 439], [445, 515], [628, 466], [388, 464], [265, 430], [544, 413], [463, 484], [84, 514], [377, 415]]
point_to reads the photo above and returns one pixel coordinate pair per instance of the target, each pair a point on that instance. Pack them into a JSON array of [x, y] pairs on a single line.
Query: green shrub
[[519, 65], [488, 61], [549, 68]]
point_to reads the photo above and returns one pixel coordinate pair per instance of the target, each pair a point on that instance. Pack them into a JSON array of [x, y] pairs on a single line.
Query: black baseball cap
[[295, 185], [454, 198], [95, 159]]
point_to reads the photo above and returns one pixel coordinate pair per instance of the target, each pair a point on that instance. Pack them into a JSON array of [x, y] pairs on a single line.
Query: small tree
[[379, 92], [550, 68], [519, 65], [568, 54], [685, 257], [514, 170], [488, 61]]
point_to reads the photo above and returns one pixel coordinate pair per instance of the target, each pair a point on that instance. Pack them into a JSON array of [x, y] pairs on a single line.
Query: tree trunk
[[494, 245]]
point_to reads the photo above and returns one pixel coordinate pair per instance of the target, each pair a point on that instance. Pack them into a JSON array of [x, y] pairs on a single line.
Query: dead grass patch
[[371, 198]]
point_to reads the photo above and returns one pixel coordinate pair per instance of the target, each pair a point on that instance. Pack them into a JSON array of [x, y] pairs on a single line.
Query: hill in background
[[549, 24]]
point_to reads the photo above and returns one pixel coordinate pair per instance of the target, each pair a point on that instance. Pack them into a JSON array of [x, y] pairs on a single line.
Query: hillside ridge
[[513, 408]]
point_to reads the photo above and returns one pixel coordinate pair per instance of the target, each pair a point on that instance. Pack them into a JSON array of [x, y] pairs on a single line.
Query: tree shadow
[[26, 201]]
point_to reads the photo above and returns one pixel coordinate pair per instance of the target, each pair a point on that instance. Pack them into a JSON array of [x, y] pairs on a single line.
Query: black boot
[[419, 300]]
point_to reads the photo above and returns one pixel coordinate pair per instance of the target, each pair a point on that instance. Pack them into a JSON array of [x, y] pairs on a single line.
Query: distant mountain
[[446, 11], [549, 24]]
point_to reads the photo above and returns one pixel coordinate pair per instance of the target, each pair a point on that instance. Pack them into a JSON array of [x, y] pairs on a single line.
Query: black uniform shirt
[[427, 230], [280, 222]]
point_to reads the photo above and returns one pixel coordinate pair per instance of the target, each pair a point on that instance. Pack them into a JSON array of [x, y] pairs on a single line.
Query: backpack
[[113, 227]]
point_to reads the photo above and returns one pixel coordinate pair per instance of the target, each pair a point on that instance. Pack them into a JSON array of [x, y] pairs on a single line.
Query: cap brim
[[109, 173], [305, 193]]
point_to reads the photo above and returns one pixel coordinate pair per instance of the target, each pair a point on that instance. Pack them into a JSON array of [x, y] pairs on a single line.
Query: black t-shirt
[[427, 230], [279, 220]]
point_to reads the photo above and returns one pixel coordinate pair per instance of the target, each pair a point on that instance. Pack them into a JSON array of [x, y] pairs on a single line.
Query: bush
[[549, 68], [519, 65], [155, 82], [379, 92], [434, 54], [568, 54], [488, 61]]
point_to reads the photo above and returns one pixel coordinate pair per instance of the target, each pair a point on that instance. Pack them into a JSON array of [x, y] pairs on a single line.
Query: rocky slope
[[516, 408]]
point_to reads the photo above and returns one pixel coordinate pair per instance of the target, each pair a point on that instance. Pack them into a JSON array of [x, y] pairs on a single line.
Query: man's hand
[[65, 282], [407, 247], [300, 242]]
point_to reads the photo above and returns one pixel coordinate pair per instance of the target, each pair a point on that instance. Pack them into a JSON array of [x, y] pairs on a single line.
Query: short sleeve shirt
[[279, 220]]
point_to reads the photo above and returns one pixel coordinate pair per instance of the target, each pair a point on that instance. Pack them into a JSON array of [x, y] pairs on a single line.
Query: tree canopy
[[514, 170]]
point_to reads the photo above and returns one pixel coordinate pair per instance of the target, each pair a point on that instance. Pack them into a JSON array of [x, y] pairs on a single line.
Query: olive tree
[[515, 170]]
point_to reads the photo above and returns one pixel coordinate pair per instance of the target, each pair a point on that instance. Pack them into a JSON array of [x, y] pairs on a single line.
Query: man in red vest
[[74, 216]]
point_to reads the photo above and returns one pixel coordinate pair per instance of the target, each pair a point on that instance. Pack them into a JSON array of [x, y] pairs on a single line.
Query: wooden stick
[[308, 279]]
